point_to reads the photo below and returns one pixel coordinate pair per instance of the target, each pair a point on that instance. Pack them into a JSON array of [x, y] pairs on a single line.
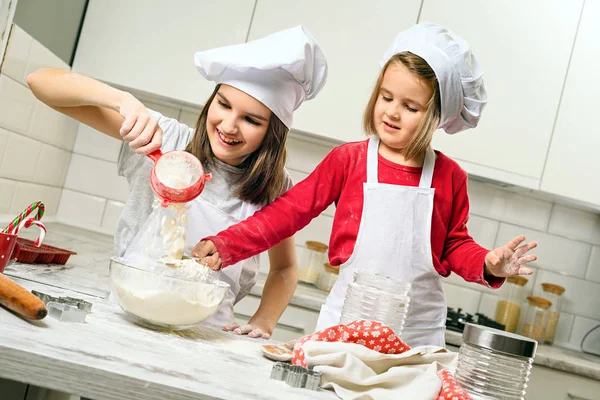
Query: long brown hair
[[264, 178], [420, 142]]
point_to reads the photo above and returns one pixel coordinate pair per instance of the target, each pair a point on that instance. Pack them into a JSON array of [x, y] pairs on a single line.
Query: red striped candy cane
[[27, 223]]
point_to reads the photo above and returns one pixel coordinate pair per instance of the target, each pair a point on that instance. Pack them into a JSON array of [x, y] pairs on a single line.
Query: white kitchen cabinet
[[571, 169], [546, 383], [524, 49], [149, 45], [353, 35], [294, 323]]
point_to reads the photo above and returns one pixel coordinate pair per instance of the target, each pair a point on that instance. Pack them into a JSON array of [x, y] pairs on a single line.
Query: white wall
[[35, 142]]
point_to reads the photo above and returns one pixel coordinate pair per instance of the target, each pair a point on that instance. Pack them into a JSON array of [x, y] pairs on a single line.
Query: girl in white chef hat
[[239, 137], [401, 207]]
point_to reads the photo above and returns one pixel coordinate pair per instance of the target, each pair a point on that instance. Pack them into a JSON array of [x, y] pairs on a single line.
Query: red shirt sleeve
[[286, 215], [464, 256]]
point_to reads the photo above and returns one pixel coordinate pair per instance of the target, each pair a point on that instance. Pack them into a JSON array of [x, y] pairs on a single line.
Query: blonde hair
[[420, 142], [264, 177]]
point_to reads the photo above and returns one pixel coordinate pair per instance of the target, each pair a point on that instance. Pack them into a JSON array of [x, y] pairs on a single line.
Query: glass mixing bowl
[[163, 301]]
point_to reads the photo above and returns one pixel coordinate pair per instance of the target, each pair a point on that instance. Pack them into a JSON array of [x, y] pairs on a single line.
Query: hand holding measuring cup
[[139, 129], [177, 176]]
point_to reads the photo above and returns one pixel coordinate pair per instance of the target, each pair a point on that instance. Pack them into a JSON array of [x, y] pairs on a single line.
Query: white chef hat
[[280, 70], [460, 77]]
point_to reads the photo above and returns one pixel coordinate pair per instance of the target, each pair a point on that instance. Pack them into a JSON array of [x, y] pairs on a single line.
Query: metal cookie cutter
[[296, 376], [66, 309]]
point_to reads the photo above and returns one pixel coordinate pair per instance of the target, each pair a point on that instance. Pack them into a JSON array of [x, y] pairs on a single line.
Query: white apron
[[206, 220], [394, 240]]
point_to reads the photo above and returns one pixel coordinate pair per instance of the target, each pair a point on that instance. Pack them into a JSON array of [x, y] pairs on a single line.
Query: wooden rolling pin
[[18, 299]]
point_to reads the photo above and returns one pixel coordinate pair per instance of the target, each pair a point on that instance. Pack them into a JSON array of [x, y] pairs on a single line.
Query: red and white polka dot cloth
[[380, 338]]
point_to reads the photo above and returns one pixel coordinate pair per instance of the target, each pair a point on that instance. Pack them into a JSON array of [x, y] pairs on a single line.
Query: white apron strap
[[428, 166], [372, 152]]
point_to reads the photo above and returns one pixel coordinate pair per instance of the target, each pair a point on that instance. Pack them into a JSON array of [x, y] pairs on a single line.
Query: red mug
[[9, 249]]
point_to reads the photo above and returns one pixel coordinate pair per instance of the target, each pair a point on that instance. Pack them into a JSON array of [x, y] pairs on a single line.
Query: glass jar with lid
[[494, 364], [328, 277], [552, 293], [535, 318], [311, 263], [512, 297]]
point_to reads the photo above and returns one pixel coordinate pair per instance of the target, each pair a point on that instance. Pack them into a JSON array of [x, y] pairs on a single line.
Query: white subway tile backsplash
[[563, 329], [488, 305], [112, 213], [554, 253], [483, 230], [27, 193], [90, 142], [17, 54], [52, 166], [500, 205], [41, 57], [7, 191], [4, 134], [575, 224], [319, 230], [167, 111], [593, 270], [16, 105], [96, 177], [581, 297], [81, 209], [460, 297], [188, 117], [20, 158], [50, 126], [581, 327], [305, 156]]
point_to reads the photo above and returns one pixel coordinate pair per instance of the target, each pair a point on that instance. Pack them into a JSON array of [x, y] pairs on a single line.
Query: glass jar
[[328, 277], [553, 294], [312, 262], [512, 296], [376, 298], [535, 318], [494, 364]]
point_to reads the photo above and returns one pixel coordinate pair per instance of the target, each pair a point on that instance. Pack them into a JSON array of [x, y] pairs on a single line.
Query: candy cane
[[19, 218], [27, 223]]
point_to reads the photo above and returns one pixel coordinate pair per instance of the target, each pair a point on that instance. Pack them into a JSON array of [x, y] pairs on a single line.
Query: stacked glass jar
[[311, 263], [378, 298], [534, 320], [512, 296], [552, 293], [328, 277], [494, 364]]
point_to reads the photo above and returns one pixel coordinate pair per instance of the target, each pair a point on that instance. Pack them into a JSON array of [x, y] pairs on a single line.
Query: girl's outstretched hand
[[140, 129], [207, 252], [509, 259]]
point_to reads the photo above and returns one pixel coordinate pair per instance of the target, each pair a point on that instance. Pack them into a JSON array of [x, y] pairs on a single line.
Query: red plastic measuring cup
[[177, 176]]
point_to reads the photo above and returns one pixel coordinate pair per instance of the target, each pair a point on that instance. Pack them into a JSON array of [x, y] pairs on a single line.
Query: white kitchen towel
[[354, 371]]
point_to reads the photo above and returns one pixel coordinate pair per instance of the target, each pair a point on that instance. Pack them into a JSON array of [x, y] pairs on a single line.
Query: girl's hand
[[139, 129], [254, 329], [207, 251], [508, 260]]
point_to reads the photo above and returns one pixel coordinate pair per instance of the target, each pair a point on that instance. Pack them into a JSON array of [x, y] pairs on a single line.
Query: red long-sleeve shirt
[[339, 178]]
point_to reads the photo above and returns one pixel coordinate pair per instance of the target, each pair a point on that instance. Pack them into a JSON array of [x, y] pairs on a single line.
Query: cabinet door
[[571, 170], [546, 383], [523, 48], [354, 35], [149, 45]]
